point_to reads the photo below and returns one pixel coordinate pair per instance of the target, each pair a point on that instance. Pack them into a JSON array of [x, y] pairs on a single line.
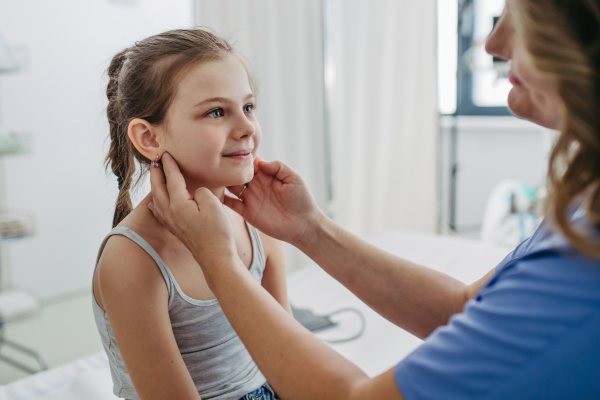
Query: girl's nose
[[244, 128]]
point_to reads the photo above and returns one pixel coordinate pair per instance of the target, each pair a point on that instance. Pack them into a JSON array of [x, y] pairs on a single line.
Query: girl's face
[[210, 128], [534, 95]]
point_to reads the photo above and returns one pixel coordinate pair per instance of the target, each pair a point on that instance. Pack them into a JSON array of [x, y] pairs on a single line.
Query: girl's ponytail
[[120, 155]]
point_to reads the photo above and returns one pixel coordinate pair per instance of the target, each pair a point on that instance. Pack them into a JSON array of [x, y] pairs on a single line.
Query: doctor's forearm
[[295, 362], [416, 298]]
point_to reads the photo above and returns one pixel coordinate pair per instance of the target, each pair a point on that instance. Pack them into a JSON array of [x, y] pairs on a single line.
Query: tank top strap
[[259, 258], [137, 239]]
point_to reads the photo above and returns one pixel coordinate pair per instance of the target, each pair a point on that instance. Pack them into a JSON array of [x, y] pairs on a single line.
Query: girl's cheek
[[257, 137]]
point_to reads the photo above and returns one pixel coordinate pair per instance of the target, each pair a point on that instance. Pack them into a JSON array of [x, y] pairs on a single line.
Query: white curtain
[[384, 115]]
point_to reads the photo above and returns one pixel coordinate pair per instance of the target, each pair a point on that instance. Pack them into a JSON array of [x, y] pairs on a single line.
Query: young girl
[[185, 92]]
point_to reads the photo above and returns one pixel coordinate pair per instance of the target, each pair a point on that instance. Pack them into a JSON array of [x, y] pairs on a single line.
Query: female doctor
[[529, 329]]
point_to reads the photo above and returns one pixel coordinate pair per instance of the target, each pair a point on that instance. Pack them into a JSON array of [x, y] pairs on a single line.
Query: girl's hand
[[277, 202], [200, 222]]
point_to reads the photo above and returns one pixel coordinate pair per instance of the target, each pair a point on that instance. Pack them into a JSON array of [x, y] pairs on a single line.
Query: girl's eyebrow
[[223, 99]]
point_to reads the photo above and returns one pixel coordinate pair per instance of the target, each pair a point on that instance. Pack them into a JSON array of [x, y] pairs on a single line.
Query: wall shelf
[[16, 224]]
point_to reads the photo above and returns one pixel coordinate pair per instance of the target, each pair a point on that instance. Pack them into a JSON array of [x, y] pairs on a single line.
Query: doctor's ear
[[143, 136]]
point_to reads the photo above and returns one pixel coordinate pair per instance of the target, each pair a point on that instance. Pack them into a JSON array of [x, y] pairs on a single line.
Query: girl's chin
[[241, 179]]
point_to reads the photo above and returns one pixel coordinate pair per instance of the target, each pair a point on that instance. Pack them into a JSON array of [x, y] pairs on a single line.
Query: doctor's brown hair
[[142, 84], [563, 36]]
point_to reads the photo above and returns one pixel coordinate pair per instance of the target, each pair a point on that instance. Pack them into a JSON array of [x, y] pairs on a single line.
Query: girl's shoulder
[[272, 247], [120, 250], [123, 267]]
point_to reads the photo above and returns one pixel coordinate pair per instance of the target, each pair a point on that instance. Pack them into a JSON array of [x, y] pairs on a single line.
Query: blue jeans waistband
[[265, 392]]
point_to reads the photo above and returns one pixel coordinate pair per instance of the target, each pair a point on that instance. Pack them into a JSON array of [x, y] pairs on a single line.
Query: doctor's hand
[[199, 222], [277, 202]]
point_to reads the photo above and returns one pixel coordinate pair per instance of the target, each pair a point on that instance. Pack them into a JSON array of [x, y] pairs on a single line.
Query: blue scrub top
[[533, 332]]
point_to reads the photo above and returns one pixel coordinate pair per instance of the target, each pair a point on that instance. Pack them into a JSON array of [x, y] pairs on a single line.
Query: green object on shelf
[[8, 63], [10, 143]]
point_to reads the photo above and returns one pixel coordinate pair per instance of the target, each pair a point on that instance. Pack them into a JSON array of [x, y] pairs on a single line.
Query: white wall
[[60, 99], [490, 149]]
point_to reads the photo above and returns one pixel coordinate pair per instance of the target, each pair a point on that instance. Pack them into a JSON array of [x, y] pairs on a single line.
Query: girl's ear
[[143, 136]]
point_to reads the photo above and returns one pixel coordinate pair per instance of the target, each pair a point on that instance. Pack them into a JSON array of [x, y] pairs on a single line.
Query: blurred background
[[390, 109]]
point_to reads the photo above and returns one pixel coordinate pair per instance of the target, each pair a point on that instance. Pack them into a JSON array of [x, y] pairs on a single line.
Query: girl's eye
[[216, 113], [248, 108]]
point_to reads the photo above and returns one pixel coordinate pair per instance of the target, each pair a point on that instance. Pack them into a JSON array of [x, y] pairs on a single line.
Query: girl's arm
[[133, 293], [274, 276]]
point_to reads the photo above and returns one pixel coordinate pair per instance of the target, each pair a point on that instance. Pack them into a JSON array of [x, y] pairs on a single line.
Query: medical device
[[319, 323]]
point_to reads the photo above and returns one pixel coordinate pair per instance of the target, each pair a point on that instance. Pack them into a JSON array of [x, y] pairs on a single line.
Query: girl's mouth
[[240, 155]]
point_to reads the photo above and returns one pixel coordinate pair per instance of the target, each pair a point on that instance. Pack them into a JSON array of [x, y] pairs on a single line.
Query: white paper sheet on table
[[87, 378]]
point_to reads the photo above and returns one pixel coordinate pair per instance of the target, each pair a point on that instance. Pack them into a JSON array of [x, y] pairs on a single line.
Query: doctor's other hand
[[277, 202], [199, 222]]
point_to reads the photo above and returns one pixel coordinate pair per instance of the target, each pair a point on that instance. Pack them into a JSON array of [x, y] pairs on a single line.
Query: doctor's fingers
[[265, 173], [257, 159], [280, 171], [157, 213], [177, 191], [160, 194]]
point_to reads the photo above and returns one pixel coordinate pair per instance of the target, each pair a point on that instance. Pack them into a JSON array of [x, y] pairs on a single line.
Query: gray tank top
[[218, 362]]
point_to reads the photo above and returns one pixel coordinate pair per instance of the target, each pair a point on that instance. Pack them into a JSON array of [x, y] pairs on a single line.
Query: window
[[478, 85]]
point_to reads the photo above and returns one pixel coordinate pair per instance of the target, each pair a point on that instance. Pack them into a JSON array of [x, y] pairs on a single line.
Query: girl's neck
[[219, 192]]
